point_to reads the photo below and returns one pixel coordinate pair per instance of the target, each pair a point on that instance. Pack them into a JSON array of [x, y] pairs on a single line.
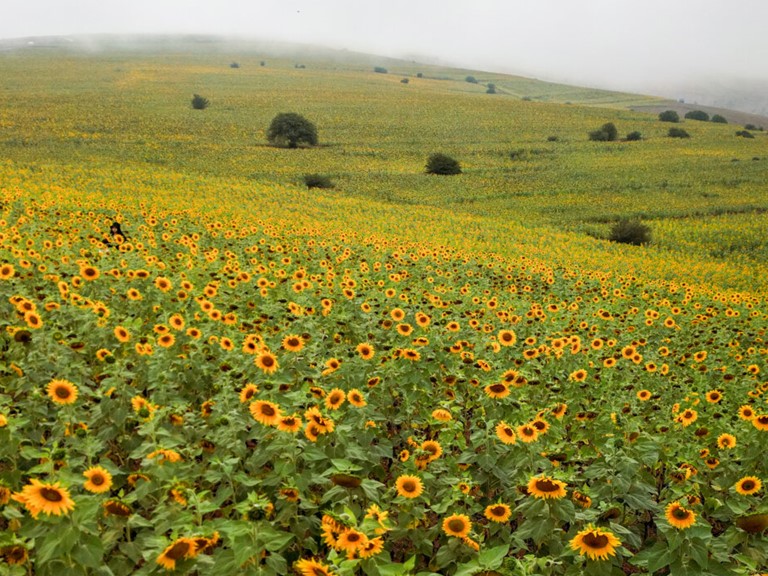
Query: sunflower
[[506, 337], [527, 433], [98, 480], [761, 422], [433, 449], [166, 340], [559, 410], [48, 498], [7, 271], [579, 375], [581, 499], [457, 525], [404, 329], [714, 396], [409, 486], [372, 547], [313, 568], [505, 433], [679, 517], [265, 412], [356, 398], [289, 424], [726, 441], [351, 540], [178, 549], [748, 485], [546, 487], [746, 412], [335, 399], [62, 391], [644, 395], [248, 392], [595, 543], [293, 343], [33, 320], [14, 554], [267, 362], [687, 417], [497, 390], [331, 366], [498, 512], [442, 415], [122, 334]]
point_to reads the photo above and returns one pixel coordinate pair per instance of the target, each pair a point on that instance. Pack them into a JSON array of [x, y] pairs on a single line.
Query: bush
[[471, 79], [404, 81], [718, 119], [630, 232], [234, 65], [745, 134], [200, 103], [552, 138], [442, 164], [491, 89], [678, 133], [419, 74], [607, 133], [669, 116], [289, 129], [317, 181], [380, 70], [634, 136], [697, 115]]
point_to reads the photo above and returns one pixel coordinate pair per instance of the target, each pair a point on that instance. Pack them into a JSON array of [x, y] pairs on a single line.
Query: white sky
[[625, 44]]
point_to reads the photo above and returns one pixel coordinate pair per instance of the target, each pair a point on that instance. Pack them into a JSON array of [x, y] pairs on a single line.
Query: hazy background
[[711, 51]]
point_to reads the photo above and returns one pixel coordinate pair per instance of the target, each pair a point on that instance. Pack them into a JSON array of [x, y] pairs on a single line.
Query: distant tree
[[199, 102], [471, 79], [442, 164], [697, 115], [678, 133], [745, 134], [380, 70], [669, 116], [490, 88], [718, 119], [289, 129], [262, 63], [607, 133], [634, 136], [317, 181], [630, 232], [420, 75], [751, 127], [404, 81], [234, 65]]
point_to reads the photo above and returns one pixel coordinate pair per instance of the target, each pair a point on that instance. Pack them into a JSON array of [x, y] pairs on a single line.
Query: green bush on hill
[[669, 116], [442, 164], [630, 232], [289, 129], [607, 133], [697, 115]]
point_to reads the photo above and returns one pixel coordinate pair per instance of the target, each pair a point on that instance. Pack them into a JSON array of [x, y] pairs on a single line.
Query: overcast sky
[[633, 45]]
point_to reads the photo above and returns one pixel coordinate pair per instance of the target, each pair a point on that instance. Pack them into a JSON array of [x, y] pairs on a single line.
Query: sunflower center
[[680, 513], [51, 494], [268, 361], [497, 388], [335, 398], [748, 485], [353, 537], [267, 410], [178, 550], [528, 431], [456, 525], [546, 486], [62, 392], [98, 479], [595, 540], [409, 486], [498, 511]]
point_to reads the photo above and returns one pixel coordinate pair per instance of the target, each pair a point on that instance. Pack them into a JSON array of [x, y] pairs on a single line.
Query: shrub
[[719, 119], [262, 63], [678, 133], [317, 181], [607, 133], [471, 79], [420, 75], [404, 81], [442, 164], [552, 138], [745, 134], [518, 154], [289, 129], [630, 232], [752, 127], [697, 115], [634, 136], [380, 70], [669, 116], [200, 103], [234, 65], [491, 88]]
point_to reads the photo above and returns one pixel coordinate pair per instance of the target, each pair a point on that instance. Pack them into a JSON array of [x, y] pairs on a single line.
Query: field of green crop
[[405, 374]]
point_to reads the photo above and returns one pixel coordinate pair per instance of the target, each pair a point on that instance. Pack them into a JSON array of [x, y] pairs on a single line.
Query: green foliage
[[317, 181], [552, 138], [289, 129], [745, 134], [380, 70], [234, 65], [404, 81], [442, 164], [607, 133], [678, 133], [697, 115], [719, 119], [199, 102], [669, 116], [491, 88], [634, 136], [630, 232], [471, 79]]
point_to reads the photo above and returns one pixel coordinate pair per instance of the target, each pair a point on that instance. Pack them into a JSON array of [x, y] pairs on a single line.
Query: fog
[[712, 49]]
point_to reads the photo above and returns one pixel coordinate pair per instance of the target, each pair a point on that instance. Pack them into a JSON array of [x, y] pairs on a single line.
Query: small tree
[[719, 119], [669, 116], [471, 79], [442, 164], [630, 232], [491, 88], [634, 136], [678, 133], [317, 181], [200, 103], [289, 129], [380, 70], [697, 115], [745, 134], [607, 133]]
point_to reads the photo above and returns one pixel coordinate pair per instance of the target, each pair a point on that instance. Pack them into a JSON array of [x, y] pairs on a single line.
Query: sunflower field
[[380, 379]]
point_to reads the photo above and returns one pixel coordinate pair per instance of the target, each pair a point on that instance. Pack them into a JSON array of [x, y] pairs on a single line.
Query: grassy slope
[[704, 197]]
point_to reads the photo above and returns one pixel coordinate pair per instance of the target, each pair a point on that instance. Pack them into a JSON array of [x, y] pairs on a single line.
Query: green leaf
[[89, 551], [468, 568], [658, 561], [492, 558]]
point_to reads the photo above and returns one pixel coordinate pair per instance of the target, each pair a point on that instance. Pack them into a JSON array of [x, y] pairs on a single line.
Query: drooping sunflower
[[505, 433], [335, 399], [679, 517], [265, 412], [310, 567], [748, 485], [595, 543], [98, 480], [457, 525], [62, 391], [289, 424], [48, 498], [409, 486], [726, 441], [498, 512], [442, 415], [546, 487], [560, 410], [372, 547], [14, 554], [267, 362], [179, 549], [433, 449], [116, 508]]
